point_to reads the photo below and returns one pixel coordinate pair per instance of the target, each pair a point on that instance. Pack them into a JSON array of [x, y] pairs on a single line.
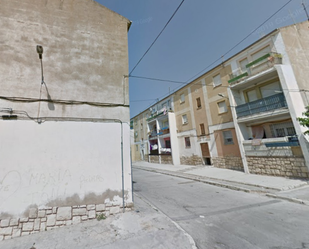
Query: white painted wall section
[[57, 161]]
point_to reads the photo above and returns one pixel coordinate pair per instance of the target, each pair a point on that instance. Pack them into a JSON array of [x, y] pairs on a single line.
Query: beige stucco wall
[[213, 92], [182, 108], [199, 113], [85, 57], [227, 150]]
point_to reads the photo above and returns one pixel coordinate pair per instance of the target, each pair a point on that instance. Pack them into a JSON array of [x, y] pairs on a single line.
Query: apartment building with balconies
[[268, 91], [155, 134]]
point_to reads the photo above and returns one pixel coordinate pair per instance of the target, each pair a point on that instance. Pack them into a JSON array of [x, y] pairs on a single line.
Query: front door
[[206, 153]]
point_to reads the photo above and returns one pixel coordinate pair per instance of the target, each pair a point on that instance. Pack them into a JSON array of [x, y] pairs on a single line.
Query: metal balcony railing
[[270, 103]]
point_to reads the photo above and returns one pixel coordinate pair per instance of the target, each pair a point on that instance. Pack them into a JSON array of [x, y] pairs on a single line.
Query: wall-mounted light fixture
[[39, 50]]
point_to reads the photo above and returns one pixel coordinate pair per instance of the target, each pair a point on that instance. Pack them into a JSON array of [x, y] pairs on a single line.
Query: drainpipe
[[122, 173]]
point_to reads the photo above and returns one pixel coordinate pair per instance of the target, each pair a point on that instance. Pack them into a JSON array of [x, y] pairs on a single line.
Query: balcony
[[152, 134], [237, 76], [257, 66], [270, 103], [164, 131], [263, 63]]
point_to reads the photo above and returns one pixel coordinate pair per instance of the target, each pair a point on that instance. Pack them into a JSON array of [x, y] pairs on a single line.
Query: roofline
[[202, 75], [126, 19]]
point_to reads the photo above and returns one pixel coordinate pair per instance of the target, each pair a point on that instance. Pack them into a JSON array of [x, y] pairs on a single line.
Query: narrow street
[[220, 218]]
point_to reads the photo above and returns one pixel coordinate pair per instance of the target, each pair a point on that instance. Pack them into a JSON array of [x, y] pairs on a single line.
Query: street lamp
[[39, 50]]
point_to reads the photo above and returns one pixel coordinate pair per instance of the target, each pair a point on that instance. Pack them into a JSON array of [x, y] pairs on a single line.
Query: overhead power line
[[240, 41], [157, 37], [148, 78], [166, 94]]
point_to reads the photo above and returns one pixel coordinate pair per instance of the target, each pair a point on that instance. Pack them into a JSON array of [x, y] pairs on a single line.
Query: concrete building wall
[[296, 41], [59, 151], [85, 57], [214, 98], [64, 169], [199, 112]]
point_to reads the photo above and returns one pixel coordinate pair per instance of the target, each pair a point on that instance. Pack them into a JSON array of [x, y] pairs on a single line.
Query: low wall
[[44, 219], [293, 167], [191, 160], [234, 163], [160, 159]]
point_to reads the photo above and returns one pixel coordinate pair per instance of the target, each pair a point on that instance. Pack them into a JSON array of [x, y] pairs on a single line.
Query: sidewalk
[[278, 187], [144, 227]]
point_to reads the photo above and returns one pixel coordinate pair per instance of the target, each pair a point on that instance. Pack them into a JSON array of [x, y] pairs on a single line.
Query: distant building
[[64, 137]]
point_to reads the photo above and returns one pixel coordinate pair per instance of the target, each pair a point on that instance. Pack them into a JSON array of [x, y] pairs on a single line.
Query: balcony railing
[[237, 76], [263, 63], [270, 103], [259, 65]]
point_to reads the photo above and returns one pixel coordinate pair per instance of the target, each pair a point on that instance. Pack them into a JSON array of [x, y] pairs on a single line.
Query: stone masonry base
[[234, 163], [191, 160], [45, 219], [160, 159], [293, 167]]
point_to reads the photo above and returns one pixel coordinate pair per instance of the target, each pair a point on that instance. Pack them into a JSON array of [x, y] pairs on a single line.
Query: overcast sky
[[200, 33]]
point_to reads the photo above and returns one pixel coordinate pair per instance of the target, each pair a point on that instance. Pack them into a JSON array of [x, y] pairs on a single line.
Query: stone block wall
[[292, 167], [192, 160], [45, 219], [234, 163], [166, 159], [153, 159]]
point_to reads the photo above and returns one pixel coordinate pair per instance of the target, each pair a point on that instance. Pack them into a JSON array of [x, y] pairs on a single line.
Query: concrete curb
[[191, 240], [195, 178], [295, 200]]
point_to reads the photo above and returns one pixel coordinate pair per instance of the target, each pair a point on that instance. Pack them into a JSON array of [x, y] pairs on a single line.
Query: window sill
[[199, 108], [223, 113], [217, 86]]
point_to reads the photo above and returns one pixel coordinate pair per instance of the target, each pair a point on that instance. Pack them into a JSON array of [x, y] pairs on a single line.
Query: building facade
[[64, 138], [243, 113], [268, 92]]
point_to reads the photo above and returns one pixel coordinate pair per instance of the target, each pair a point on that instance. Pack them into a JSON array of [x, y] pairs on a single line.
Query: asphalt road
[[222, 218]]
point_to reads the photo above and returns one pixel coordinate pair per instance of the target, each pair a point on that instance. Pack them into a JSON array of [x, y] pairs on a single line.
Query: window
[[270, 89], [169, 104], [136, 134], [228, 137], [283, 129], [167, 143], [217, 80], [184, 119], [165, 124], [136, 147], [222, 107], [187, 142], [252, 95], [261, 53], [198, 103], [182, 98], [243, 64], [141, 126], [202, 129]]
